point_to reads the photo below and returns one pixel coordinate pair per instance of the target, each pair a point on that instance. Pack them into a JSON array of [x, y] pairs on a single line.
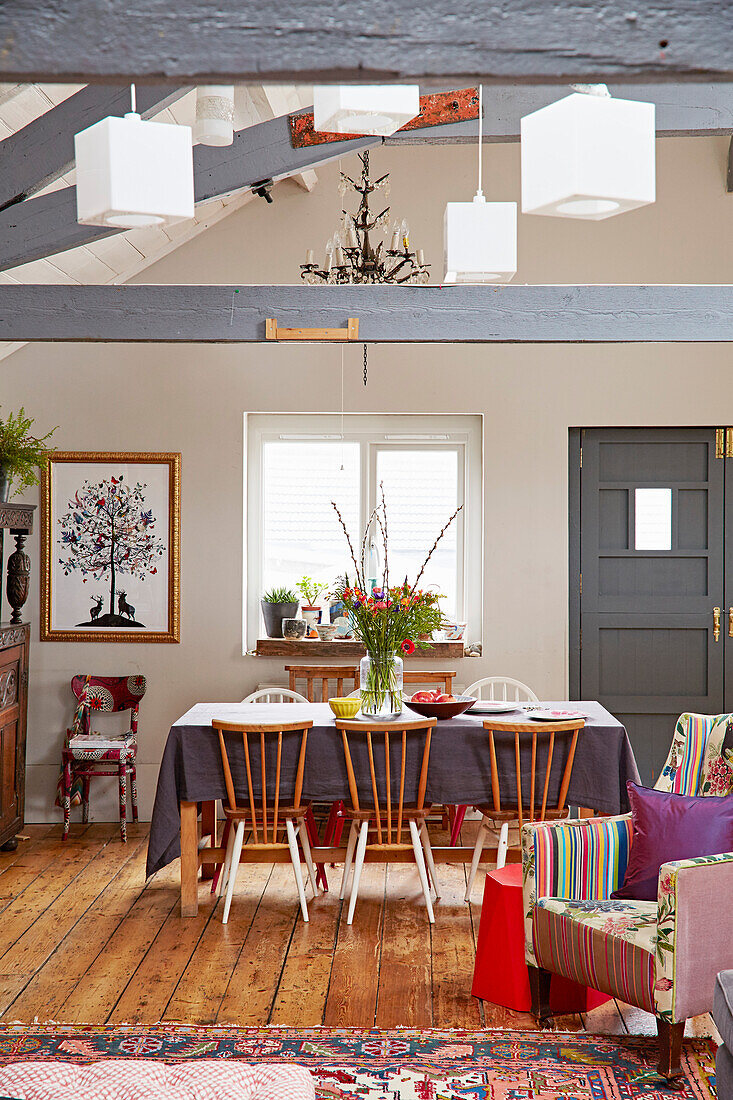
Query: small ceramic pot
[[326, 632], [293, 629]]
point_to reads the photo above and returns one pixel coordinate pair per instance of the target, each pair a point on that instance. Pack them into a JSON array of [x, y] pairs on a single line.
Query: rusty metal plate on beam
[[435, 110]]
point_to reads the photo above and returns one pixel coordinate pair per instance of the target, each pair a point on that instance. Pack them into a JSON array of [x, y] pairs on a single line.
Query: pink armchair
[[660, 956]]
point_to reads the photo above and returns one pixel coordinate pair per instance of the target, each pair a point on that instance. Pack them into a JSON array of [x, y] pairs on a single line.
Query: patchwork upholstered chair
[[87, 754], [660, 955]]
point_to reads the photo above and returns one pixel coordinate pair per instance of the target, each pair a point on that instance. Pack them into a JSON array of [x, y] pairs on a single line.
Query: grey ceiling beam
[[302, 41], [47, 224], [423, 314], [682, 110], [44, 149]]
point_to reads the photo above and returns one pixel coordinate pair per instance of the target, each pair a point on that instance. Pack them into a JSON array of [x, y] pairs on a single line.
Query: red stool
[[500, 974]]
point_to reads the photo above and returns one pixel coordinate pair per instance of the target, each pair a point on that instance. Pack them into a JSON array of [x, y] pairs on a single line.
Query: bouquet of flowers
[[390, 619]]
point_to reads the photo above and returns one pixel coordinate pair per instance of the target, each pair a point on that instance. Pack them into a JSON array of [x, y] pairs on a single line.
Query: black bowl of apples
[[436, 704]]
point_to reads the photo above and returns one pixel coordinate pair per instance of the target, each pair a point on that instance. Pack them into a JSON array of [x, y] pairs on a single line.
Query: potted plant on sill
[[310, 590], [278, 604], [21, 453]]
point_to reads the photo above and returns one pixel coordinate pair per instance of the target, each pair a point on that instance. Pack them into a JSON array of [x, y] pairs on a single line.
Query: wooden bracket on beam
[[351, 332]]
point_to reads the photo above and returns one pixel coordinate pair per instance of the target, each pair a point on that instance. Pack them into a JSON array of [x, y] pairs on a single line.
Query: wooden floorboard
[[84, 939]]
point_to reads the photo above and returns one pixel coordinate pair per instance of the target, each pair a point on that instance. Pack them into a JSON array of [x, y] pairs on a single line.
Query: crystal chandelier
[[350, 255]]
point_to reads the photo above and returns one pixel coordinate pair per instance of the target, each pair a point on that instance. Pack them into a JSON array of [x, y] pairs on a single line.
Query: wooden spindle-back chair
[[386, 810], [346, 679], [525, 808], [441, 679], [266, 821]]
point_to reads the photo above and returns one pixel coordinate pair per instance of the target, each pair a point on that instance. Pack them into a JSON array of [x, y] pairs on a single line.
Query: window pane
[[421, 491], [301, 533], [653, 519]]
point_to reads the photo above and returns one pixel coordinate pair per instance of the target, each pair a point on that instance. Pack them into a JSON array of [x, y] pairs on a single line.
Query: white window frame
[[462, 432]]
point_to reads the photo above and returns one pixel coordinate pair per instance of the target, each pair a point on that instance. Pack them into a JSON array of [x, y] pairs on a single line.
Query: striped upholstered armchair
[[661, 956]]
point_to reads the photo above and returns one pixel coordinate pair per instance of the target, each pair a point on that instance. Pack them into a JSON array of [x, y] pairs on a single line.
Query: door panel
[[647, 646]]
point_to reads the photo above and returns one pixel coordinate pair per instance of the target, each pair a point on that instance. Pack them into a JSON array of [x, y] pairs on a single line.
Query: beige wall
[[191, 398]]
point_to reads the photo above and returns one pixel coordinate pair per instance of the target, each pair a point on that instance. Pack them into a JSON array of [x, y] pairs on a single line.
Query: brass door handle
[[730, 622], [716, 624]]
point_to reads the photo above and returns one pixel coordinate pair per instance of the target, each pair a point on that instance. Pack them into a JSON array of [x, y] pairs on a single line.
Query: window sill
[[351, 651]]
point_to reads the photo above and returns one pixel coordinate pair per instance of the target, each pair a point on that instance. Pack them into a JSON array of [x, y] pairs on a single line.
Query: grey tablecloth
[[459, 771]]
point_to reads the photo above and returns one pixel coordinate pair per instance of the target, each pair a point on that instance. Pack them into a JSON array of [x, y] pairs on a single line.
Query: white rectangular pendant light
[[480, 241], [131, 173], [588, 156], [378, 109]]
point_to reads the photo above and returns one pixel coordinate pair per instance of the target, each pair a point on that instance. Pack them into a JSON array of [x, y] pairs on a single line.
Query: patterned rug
[[401, 1064]]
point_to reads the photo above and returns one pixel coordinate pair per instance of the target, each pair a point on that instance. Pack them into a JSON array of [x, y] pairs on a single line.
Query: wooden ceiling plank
[[422, 314]]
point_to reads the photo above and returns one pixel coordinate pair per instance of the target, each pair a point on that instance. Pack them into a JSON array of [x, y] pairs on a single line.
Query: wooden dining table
[[191, 778]]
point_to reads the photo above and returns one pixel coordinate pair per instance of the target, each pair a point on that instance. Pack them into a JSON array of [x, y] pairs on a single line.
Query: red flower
[[408, 646]]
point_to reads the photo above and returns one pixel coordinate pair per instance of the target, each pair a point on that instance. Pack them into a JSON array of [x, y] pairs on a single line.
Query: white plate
[[547, 715], [489, 706]]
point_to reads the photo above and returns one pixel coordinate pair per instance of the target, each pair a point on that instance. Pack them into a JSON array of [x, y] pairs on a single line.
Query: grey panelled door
[[652, 569]]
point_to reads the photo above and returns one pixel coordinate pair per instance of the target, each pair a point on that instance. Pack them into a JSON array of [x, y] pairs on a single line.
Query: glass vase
[[381, 686]]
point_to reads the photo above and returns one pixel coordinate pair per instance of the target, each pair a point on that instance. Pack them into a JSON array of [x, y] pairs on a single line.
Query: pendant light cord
[[480, 133], [133, 99]]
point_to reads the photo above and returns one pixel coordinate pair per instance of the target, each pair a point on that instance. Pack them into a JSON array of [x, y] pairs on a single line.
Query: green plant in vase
[[310, 590], [21, 453], [389, 620]]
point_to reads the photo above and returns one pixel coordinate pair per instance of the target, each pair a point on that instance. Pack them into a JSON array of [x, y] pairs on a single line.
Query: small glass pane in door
[[653, 519]]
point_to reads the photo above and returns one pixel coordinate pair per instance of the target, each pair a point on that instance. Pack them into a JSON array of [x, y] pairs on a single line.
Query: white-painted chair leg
[[295, 860], [483, 829], [358, 864], [420, 861], [349, 857], [429, 858], [503, 845], [233, 868], [224, 876], [306, 846]]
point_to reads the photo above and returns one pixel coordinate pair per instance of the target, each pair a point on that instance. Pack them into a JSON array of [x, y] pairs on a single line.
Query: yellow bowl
[[346, 708]]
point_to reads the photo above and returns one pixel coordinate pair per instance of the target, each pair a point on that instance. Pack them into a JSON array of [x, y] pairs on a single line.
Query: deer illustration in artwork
[[123, 607], [96, 608]]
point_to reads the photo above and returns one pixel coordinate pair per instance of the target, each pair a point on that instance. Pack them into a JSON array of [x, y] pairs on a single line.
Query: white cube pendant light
[[480, 241], [131, 173], [480, 237], [214, 123], [379, 109], [588, 156]]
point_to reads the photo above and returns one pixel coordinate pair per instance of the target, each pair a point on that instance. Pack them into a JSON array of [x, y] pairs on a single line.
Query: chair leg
[[133, 791], [221, 877], [295, 860], [66, 799], [85, 800], [503, 845], [123, 803], [305, 845], [420, 861], [233, 868], [483, 829], [670, 1048], [358, 864], [312, 830], [539, 987], [349, 856], [457, 824], [224, 842], [429, 858]]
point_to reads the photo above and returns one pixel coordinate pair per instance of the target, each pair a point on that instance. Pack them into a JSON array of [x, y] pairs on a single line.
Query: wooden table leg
[[587, 811], [209, 827], [189, 860]]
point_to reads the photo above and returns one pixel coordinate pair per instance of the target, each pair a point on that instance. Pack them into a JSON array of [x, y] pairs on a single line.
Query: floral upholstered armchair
[[661, 956]]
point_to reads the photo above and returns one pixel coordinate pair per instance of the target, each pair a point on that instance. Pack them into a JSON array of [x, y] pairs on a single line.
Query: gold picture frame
[[50, 630]]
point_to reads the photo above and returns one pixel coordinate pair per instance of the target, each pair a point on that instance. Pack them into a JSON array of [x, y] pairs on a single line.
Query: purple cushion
[[671, 826]]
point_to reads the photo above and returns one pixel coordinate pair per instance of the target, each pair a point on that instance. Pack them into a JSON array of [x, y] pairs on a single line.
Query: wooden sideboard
[[15, 637]]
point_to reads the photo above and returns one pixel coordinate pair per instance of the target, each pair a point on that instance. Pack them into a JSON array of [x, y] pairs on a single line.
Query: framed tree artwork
[[110, 547]]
